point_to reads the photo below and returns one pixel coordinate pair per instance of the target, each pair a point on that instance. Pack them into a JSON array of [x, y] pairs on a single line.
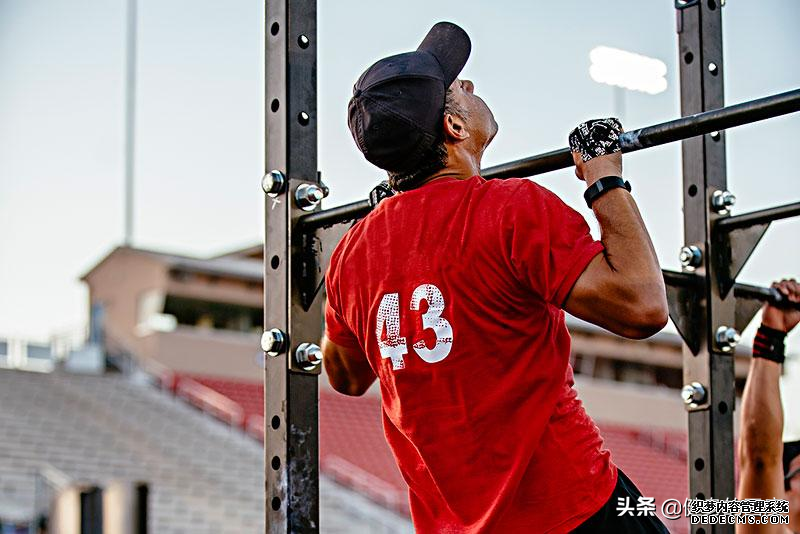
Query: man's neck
[[450, 173], [459, 167]]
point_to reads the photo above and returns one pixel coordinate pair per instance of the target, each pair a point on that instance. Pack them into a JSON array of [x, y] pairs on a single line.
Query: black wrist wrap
[[769, 344]]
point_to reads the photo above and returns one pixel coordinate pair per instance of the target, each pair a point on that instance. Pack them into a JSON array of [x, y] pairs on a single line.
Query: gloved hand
[[596, 150], [379, 192], [597, 137]]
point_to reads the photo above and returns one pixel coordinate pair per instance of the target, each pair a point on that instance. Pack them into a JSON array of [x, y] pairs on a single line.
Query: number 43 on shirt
[[394, 346]]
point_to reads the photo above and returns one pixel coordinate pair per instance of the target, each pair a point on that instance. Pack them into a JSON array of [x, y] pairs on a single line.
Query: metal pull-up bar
[[649, 136], [661, 134], [743, 291]]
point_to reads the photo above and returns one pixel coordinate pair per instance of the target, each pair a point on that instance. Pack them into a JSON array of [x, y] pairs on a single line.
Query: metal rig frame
[[706, 304]]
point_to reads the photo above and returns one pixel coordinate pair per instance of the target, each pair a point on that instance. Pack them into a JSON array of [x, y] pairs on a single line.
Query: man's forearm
[[623, 290], [629, 251], [762, 414]]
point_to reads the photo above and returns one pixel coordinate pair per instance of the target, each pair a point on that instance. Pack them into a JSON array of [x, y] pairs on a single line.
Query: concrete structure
[[188, 314]]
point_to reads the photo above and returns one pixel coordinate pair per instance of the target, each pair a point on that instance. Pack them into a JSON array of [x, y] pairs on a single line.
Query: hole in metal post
[[276, 422], [701, 530], [713, 69], [303, 118], [275, 28], [712, 5], [688, 57], [303, 42], [699, 464], [692, 190], [276, 463], [700, 496], [274, 105], [274, 262], [723, 407], [276, 503]]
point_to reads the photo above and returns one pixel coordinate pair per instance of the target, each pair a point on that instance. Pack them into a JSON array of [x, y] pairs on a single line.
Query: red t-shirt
[[454, 292]]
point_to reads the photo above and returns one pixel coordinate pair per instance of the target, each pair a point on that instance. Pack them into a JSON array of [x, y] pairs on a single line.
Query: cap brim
[[450, 45]]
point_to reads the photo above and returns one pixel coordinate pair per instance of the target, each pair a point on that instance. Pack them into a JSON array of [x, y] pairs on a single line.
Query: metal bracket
[[309, 276], [731, 252], [746, 309], [685, 301], [314, 253]]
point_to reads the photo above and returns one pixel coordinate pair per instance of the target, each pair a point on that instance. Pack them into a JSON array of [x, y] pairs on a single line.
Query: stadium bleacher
[[354, 452], [204, 476], [200, 464]]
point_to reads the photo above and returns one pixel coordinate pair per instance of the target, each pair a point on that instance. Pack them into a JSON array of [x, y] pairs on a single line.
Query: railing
[[255, 426], [662, 441], [365, 482], [164, 377], [211, 401], [201, 396]]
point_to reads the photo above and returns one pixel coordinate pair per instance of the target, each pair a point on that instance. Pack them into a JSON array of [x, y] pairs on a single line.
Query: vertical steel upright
[[291, 396], [708, 365]]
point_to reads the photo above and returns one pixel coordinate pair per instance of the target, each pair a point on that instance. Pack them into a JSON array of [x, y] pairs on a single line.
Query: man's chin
[[494, 133]]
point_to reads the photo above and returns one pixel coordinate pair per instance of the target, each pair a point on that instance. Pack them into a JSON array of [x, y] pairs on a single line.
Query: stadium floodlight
[[628, 70]]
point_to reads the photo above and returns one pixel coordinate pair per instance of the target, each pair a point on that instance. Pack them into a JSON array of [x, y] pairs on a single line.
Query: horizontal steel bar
[[746, 220], [659, 134], [337, 215], [530, 166], [764, 294], [680, 279], [744, 291]]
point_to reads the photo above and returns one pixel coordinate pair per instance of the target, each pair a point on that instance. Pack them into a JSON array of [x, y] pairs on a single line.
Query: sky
[[200, 136]]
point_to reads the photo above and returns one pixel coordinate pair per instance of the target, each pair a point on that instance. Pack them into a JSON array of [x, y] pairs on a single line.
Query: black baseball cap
[[396, 110]]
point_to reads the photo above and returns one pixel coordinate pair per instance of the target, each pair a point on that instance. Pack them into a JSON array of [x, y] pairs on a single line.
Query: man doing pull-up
[[452, 293]]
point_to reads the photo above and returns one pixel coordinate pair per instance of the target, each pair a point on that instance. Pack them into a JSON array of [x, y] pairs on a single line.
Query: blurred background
[[198, 157]]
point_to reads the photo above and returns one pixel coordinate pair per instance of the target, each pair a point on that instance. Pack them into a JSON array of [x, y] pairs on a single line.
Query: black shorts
[[607, 518]]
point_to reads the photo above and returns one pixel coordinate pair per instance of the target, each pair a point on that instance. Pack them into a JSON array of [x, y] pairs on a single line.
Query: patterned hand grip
[[597, 137]]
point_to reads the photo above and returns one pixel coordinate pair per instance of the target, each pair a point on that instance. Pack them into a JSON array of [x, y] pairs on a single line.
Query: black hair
[[436, 158]]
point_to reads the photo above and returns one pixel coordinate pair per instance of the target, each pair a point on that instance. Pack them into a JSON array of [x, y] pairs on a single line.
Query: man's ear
[[454, 128]]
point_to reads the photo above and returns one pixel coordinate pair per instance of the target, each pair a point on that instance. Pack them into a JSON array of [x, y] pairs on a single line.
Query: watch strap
[[602, 186]]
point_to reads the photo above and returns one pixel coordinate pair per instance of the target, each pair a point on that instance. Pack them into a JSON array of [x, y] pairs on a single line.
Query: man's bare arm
[[621, 290], [760, 441], [348, 370]]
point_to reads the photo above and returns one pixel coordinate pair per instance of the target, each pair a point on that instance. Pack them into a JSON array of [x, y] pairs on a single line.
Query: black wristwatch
[[602, 186]]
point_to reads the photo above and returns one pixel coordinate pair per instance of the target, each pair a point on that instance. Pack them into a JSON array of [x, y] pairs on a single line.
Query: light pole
[[626, 70], [130, 118]]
